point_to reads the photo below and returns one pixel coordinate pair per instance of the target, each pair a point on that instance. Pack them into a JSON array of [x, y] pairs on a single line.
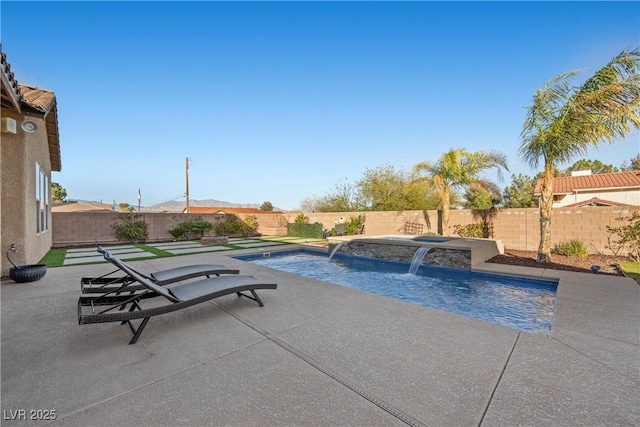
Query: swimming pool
[[518, 303]]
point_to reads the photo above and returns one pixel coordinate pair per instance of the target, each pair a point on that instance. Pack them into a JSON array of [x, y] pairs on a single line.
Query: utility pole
[[187, 170]]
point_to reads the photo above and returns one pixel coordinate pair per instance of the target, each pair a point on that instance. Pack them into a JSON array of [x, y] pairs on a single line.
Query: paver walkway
[[128, 252]]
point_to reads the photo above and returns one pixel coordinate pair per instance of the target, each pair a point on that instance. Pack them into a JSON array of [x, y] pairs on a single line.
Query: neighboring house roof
[[600, 181], [44, 102], [223, 210], [81, 207], [595, 201]]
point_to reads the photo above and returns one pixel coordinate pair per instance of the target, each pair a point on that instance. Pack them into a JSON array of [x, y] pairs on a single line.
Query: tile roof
[[20, 97], [11, 96], [44, 102], [570, 184], [41, 100]]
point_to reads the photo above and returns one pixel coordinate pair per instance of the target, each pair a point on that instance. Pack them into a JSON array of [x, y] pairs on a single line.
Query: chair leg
[[134, 305], [137, 331], [255, 297]]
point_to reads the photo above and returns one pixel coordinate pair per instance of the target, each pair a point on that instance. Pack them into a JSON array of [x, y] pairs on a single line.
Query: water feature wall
[[404, 251], [418, 258]]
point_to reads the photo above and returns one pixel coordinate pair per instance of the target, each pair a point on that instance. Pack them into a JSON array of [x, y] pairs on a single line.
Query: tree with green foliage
[[381, 188], [632, 165], [126, 207], [479, 196], [458, 168], [564, 121], [387, 189], [595, 166], [421, 195], [266, 206], [520, 193], [58, 193], [343, 198]]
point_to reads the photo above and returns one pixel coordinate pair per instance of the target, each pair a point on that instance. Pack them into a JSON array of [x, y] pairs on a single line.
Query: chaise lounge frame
[[107, 282], [179, 297]]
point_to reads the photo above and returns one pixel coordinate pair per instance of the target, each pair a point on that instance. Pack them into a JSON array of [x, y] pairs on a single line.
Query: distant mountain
[[175, 206]]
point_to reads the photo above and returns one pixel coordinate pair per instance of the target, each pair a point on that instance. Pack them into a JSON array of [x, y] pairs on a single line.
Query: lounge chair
[[107, 282], [178, 297]]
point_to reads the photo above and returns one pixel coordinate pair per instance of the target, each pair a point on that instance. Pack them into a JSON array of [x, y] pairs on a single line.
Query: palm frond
[[547, 108], [563, 121]]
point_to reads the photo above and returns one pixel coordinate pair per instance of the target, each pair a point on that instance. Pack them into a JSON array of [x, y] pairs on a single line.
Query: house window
[[42, 200]]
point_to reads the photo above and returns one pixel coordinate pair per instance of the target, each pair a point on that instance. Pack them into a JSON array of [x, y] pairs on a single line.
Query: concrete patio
[[319, 354]]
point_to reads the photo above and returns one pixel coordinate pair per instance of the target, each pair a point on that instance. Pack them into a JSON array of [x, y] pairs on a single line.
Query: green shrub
[[178, 231], [573, 247], [199, 226], [481, 229], [355, 225], [131, 229], [305, 230], [301, 219], [251, 224], [628, 236], [476, 229], [196, 227], [234, 226]]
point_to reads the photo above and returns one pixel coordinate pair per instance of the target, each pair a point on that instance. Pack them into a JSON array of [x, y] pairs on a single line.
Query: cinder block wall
[[391, 222], [97, 227], [517, 228]]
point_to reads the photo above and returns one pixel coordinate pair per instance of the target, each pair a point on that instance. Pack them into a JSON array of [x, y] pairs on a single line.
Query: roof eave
[[11, 91], [49, 113], [622, 187], [53, 138]]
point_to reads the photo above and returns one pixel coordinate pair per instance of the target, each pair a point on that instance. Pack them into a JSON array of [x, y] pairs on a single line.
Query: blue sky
[[280, 101]]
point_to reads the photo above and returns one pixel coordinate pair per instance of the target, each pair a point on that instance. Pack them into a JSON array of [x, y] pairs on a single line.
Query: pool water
[[519, 303]]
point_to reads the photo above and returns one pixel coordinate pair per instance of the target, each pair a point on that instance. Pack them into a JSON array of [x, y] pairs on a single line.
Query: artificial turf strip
[[159, 252], [631, 269], [54, 258]]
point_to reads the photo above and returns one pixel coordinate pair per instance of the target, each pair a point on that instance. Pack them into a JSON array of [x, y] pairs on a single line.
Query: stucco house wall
[[21, 149], [20, 153], [604, 189]]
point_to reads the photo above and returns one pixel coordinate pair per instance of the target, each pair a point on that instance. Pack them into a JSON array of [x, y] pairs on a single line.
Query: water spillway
[[453, 252]]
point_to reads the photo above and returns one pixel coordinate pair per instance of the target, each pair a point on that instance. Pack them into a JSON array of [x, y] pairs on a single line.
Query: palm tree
[[564, 121], [457, 168]]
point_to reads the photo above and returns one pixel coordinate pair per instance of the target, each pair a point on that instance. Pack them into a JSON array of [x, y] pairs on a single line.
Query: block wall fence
[[517, 228]]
